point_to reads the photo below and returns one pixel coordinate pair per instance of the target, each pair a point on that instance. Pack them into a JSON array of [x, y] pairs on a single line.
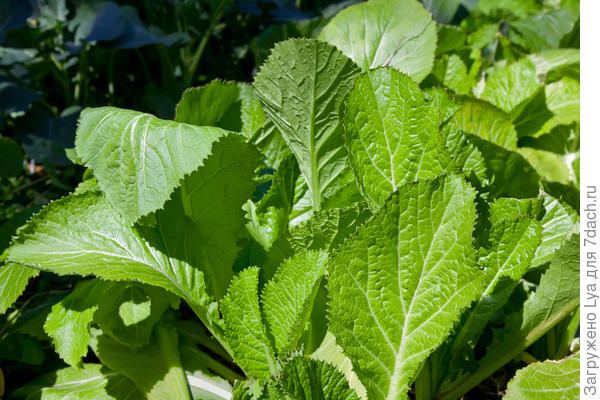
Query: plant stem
[[170, 353], [423, 383], [512, 351], [191, 71]]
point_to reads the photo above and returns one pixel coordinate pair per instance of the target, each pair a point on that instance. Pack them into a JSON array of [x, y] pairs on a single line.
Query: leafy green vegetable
[[390, 270], [139, 159], [305, 106], [392, 134], [398, 33]]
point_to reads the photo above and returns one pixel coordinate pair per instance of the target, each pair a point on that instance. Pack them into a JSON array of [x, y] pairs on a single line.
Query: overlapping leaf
[[302, 86], [419, 244], [398, 33], [392, 134]]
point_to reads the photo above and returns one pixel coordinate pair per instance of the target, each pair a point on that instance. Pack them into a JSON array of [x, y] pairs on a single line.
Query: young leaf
[[139, 159], [308, 379], [302, 87], [409, 272], [392, 134], [84, 234], [327, 229], [214, 104], [288, 298], [92, 381], [244, 328], [395, 33], [548, 380]]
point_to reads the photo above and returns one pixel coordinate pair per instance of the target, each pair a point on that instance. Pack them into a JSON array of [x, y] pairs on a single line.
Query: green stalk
[[423, 384], [512, 351], [191, 71], [170, 353]]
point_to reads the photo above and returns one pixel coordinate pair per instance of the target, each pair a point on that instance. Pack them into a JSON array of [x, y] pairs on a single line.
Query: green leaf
[[450, 38], [559, 222], [505, 260], [550, 166], [203, 221], [409, 272], [485, 121], [395, 33], [139, 159], [214, 104], [512, 85], [562, 98], [11, 158], [550, 60], [327, 229], [84, 234], [452, 72], [288, 298], [392, 134], [509, 173], [13, 281], [555, 298], [131, 312], [69, 321], [533, 116], [547, 380], [155, 368], [302, 87], [543, 31], [244, 327], [92, 381], [333, 354], [308, 379]]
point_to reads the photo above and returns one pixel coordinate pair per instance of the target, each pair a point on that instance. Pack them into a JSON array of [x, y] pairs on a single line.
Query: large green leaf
[[409, 272], [395, 33], [302, 87], [308, 379], [203, 221], [85, 235], [512, 85], [549, 380], [92, 381], [288, 298], [245, 329], [155, 368], [139, 159], [392, 134], [544, 30], [132, 310], [485, 121]]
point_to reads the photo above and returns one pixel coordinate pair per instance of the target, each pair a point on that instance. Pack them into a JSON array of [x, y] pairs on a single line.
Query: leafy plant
[[361, 222]]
